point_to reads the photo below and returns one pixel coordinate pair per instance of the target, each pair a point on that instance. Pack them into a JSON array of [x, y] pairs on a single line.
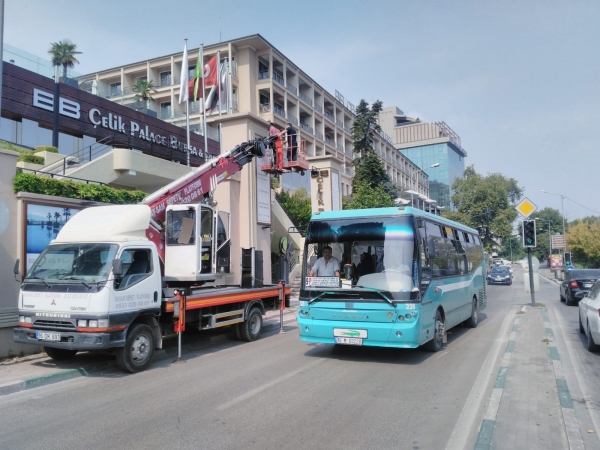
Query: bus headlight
[[24, 319]]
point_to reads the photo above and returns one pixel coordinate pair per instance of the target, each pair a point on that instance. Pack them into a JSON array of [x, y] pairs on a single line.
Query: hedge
[[31, 158], [27, 182], [46, 148]]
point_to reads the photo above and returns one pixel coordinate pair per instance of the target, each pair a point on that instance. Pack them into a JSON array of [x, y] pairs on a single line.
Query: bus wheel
[[60, 354], [138, 350], [472, 321], [435, 345], [250, 328]]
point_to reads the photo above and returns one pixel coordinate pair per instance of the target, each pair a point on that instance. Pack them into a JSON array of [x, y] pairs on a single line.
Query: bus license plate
[[47, 336], [348, 341]]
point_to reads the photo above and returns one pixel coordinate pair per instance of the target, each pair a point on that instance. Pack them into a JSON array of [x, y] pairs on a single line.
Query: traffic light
[[529, 236], [567, 258]]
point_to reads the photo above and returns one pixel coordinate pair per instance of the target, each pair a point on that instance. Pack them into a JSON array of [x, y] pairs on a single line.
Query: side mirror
[[16, 270], [430, 250], [348, 271], [117, 267]]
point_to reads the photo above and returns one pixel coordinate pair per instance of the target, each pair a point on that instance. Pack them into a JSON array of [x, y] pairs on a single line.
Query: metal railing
[[340, 147], [278, 78], [305, 99], [85, 155], [339, 123], [165, 114], [52, 175], [279, 110], [319, 108], [348, 152], [263, 75], [290, 87], [329, 116], [348, 129], [329, 141], [292, 119], [319, 134], [164, 82], [306, 127]]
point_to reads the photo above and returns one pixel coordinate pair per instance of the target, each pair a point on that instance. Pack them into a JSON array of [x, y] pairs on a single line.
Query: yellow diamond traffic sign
[[526, 207]]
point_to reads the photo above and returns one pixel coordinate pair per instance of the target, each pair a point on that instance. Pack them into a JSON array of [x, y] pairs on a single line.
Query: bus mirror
[[430, 250], [348, 269], [117, 267], [16, 269]]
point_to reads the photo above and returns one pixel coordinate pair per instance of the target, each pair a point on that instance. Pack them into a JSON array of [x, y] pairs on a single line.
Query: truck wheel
[[60, 354], [236, 331], [138, 350], [250, 328]]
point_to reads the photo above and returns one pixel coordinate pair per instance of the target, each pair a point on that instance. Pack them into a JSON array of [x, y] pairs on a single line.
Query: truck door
[[223, 241], [138, 288], [207, 234]]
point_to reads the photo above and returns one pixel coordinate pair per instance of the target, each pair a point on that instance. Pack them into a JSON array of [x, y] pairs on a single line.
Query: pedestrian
[[326, 265], [273, 130]]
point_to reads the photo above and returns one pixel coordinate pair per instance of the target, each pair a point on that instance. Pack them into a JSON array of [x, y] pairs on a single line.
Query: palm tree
[[63, 53], [143, 89], [66, 213], [57, 216]]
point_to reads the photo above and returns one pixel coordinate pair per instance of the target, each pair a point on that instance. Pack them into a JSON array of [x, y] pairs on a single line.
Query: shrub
[[46, 148], [31, 158], [27, 182], [297, 206]]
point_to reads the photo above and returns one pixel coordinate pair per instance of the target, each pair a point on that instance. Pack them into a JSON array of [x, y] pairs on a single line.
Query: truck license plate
[[348, 341], [47, 336]]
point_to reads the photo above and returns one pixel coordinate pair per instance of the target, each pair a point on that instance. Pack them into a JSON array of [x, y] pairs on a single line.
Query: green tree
[[369, 197], [544, 218], [63, 53], [143, 90], [369, 172], [512, 249], [297, 206], [475, 194], [583, 240]]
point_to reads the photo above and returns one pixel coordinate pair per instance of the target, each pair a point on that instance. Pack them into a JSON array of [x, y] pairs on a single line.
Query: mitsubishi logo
[[53, 302]]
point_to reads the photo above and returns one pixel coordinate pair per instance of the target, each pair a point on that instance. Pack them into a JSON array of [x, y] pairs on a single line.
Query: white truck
[[115, 279]]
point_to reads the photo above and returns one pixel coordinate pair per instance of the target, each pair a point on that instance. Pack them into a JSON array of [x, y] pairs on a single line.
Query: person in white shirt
[[326, 266]]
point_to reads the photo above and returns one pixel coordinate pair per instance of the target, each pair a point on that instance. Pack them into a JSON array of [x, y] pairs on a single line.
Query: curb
[[64, 375]]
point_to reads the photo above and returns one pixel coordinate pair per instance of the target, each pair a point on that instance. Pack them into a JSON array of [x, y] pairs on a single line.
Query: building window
[[139, 79], [114, 89], [165, 110], [165, 78]]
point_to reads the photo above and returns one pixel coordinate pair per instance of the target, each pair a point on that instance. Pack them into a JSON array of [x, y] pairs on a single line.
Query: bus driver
[[326, 266]]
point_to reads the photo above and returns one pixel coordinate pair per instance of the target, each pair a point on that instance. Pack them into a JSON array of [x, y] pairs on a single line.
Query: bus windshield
[[362, 254]]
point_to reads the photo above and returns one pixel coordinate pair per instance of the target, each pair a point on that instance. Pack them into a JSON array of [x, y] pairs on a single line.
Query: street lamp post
[[433, 166], [562, 207]]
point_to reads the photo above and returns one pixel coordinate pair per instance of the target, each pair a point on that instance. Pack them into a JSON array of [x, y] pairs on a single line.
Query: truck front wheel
[[250, 329], [60, 354], [138, 350]]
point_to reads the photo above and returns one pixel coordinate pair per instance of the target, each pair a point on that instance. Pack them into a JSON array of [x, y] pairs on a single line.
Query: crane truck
[[123, 278]]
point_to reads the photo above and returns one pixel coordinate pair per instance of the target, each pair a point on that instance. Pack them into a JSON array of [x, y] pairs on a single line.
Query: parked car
[[499, 275], [577, 283], [589, 318], [510, 269]]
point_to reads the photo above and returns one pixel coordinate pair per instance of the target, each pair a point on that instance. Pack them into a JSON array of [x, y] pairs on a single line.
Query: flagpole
[[183, 95], [204, 131], [219, 81], [229, 93]]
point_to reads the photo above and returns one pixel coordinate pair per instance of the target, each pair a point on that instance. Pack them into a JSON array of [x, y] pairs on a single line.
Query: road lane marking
[[270, 384], [466, 420]]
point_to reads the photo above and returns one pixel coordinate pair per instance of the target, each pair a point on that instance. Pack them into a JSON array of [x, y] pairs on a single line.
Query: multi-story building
[[265, 86], [434, 147]]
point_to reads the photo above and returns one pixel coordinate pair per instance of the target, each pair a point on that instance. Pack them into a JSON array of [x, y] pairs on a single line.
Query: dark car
[[499, 275], [577, 284]]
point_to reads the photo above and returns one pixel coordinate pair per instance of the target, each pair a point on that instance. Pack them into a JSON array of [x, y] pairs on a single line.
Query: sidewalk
[[38, 370], [530, 406]]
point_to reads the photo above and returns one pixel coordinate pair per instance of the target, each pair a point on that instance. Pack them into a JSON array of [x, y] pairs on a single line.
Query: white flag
[[185, 76]]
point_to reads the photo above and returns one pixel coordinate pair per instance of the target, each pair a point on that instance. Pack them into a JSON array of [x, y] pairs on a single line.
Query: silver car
[[589, 317]]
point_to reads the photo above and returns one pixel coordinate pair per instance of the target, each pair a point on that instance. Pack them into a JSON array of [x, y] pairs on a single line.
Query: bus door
[[430, 283]]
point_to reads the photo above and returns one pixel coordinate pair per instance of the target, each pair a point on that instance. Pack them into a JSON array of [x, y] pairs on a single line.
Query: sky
[[517, 81]]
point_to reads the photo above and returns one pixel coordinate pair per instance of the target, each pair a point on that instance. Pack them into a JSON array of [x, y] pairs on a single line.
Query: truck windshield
[[381, 253], [89, 263]]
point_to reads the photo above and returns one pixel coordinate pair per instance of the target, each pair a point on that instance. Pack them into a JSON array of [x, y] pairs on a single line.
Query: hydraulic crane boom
[[201, 182]]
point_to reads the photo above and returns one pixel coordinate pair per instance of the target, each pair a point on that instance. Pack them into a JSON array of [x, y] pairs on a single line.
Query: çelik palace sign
[[28, 95]]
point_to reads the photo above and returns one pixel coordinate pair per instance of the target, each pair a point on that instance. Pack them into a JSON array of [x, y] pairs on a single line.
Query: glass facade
[[451, 167], [31, 62]]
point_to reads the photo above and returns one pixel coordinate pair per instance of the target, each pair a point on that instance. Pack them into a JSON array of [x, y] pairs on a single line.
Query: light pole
[[433, 166], [562, 207]]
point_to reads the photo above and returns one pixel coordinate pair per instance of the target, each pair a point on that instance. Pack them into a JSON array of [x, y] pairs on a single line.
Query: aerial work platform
[[281, 158]]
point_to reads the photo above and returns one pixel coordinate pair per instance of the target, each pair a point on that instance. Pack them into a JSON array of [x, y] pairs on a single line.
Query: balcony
[[319, 108], [339, 123], [348, 152], [234, 105], [305, 99], [348, 129], [234, 69], [165, 114], [292, 119], [264, 108], [279, 110], [348, 171], [263, 75], [319, 135], [306, 127], [293, 89], [340, 147], [329, 116], [278, 78], [166, 81], [330, 141]]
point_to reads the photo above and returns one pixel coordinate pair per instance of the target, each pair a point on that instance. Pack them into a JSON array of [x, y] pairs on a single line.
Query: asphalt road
[[279, 392]]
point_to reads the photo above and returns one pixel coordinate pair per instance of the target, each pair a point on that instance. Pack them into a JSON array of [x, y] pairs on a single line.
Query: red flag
[[210, 72]]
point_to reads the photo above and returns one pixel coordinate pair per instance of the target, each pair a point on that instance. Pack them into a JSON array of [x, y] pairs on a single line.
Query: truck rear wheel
[[138, 350], [60, 354], [250, 329]]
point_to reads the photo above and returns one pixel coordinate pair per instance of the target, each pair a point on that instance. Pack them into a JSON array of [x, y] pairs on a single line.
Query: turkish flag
[[210, 72]]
